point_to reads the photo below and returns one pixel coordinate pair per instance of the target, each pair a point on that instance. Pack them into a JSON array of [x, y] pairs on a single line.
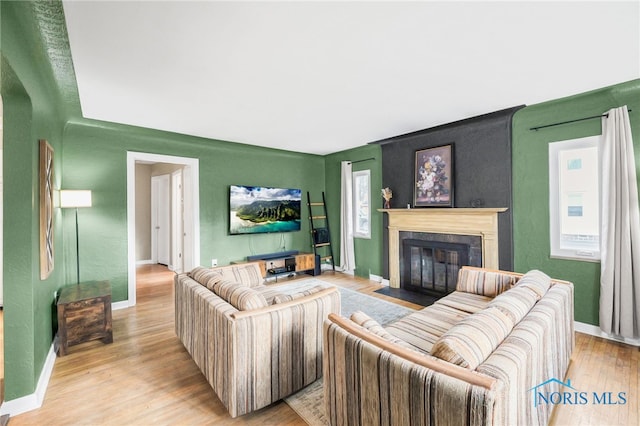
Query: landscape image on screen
[[258, 209]]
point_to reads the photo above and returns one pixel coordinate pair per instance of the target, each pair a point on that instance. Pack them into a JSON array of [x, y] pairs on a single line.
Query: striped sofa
[[255, 344], [472, 358]]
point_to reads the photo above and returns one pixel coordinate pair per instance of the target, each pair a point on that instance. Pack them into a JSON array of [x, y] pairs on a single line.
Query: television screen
[[258, 209]]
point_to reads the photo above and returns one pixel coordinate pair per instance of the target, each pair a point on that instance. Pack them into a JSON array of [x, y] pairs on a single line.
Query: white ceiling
[[321, 77]]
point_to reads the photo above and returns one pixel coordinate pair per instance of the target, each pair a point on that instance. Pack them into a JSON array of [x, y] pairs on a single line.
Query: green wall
[[368, 252], [39, 103], [531, 183], [31, 111], [94, 157]]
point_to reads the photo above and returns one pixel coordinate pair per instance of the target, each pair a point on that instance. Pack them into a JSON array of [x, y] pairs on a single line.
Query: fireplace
[[476, 227], [430, 261]]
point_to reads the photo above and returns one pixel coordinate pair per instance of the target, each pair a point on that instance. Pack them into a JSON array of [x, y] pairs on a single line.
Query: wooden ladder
[[320, 234]]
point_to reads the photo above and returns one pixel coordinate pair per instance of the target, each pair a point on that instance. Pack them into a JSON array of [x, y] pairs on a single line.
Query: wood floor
[[146, 377]]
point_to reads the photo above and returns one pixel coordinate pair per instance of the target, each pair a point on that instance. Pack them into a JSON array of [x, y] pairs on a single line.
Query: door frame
[[177, 222], [192, 205]]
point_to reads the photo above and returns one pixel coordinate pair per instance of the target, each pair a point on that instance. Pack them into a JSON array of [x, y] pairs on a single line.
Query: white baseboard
[[593, 330], [120, 305], [379, 279], [145, 262], [34, 400]]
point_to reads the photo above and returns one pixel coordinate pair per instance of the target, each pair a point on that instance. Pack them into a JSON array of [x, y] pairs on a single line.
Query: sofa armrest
[[284, 305], [539, 348], [430, 362], [369, 381], [273, 351]]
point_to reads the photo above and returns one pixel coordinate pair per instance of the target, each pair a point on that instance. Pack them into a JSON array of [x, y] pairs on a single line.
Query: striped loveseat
[[474, 357], [255, 344]]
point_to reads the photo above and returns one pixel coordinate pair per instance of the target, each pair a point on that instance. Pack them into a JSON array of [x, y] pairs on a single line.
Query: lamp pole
[[75, 198], [77, 249]]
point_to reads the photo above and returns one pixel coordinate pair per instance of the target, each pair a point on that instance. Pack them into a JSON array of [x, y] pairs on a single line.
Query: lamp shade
[[75, 198]]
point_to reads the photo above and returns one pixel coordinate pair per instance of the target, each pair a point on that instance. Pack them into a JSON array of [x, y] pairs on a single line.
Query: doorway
[[161, 202], [189, 254]]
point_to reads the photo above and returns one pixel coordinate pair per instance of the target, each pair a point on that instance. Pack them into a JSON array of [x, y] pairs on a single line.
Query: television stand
[[285, 263]]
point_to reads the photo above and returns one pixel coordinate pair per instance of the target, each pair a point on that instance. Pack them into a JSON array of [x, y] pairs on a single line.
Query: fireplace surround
[[480, 222]]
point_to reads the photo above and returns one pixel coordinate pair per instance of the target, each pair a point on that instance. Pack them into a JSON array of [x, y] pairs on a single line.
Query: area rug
[[350, 301], [308, 403]]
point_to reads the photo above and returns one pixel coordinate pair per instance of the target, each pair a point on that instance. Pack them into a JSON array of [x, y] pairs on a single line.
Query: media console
[[285, 262], [276, 255]]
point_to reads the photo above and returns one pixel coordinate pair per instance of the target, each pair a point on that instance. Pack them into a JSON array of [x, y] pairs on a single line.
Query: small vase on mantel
[[387, 194]]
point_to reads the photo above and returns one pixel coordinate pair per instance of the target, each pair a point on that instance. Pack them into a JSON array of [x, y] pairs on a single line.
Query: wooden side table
[[84, 313]]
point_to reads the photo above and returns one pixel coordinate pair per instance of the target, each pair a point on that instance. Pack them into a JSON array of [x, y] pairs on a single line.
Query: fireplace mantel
[[482, 222]]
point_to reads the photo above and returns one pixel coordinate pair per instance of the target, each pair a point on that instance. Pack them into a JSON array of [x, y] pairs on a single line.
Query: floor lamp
[[75, 199]]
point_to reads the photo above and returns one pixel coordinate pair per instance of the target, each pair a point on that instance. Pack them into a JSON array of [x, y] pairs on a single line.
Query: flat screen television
[[259, 209]]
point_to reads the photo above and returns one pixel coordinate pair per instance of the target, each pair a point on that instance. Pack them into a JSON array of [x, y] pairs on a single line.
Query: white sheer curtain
[[347, 252], [620, 229]]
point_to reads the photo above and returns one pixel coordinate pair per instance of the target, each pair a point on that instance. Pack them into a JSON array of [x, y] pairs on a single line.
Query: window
[[361, 204], [574, 186]]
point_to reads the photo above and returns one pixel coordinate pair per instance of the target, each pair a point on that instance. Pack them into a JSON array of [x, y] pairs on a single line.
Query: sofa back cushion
[[536, 281], [515, 302], [484, 282], [241, 297], [474, 338], [204, 275], [248, 274]]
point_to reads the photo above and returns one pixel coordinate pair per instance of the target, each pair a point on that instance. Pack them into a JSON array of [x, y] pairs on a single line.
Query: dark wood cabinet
[[305, 262], [84, 314], [274, 266]]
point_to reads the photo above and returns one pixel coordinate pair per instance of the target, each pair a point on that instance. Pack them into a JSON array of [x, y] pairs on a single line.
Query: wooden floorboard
[[146, 377]]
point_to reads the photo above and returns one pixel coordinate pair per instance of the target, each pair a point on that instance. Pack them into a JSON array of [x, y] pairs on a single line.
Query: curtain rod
[[571, 121], [360, 161]]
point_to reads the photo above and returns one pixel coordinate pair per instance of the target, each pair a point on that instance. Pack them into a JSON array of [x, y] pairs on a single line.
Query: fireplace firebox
[[432, 267], [429, 262]]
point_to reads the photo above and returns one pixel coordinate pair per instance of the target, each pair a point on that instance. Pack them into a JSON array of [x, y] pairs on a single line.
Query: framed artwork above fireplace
[[433, 183]]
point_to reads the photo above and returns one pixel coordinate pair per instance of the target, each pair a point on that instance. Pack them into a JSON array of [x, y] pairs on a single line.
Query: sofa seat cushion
[[241, 297], [515, 303], [421, 329], [473, 339], [281, 298], [268, 292], [536, 281], [293, 289], [484, 282], [373, 326], [467, 302]]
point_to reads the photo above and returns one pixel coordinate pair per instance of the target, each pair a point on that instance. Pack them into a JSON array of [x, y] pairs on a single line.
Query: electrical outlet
[[214, 262]]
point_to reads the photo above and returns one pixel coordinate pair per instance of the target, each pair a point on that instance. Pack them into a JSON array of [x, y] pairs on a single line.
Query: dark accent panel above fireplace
[[482, 150]]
